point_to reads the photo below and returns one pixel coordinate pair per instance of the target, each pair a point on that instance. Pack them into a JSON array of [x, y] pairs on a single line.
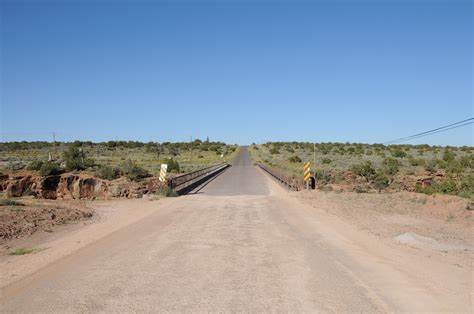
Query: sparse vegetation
[[365, 170], [173, 165], [132, 171], [391, 165], [326, 161], [49, 168], [90, 157], [75, 158], [166, 191], [390, 168], [294, 159], [23, 251], [9, 202], [108, 173]]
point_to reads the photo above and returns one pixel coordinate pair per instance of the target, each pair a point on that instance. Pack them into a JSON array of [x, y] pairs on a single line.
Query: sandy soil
[[30, 216], [436, 223]]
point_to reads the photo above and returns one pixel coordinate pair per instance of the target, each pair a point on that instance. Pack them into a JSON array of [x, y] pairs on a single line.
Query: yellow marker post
[[307, 173]]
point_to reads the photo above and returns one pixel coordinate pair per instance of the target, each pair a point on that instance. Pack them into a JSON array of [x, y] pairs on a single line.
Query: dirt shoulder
[[437, 223], [20, 218], [61, 241]]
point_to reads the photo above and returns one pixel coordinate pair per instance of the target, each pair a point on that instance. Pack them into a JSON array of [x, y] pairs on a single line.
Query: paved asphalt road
[[236, 245]]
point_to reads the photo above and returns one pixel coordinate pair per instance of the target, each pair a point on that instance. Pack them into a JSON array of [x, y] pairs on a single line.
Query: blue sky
[[240, 72]]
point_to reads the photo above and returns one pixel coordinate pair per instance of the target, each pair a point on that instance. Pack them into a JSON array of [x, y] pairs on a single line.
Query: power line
[[434, 131]]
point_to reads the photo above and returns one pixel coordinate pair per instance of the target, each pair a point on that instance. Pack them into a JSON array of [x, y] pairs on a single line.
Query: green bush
[[166, 191], [15, 165], [454, 166], [274, 151], [415, 161], [380, 181], [35, 165], [108, 173], [326, 161], [391, 165], [173, 165], [322, 177], [462, 187], [290, 150], [398, 153], [467, 161], [360, 189], [49, 168], [294, 159], [448, 155], [431, 165], [132, 171], [75, 158], [8, 202], [365, 170]]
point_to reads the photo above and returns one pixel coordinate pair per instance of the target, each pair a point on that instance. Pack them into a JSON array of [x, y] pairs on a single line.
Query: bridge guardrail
[[182, 181], [290, 181]]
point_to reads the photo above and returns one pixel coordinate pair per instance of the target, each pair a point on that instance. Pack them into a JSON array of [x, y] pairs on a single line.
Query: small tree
[[132, 171], [49, 168], [365, 170], [398, 153], [75, 158], [173, 165], [294, 159], [391, 165], [108, 173]]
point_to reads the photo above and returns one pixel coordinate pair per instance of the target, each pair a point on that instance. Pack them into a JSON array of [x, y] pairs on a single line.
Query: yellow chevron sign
[[307, 171]]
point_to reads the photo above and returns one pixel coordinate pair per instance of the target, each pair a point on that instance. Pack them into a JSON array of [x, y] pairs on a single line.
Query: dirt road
[[239, 244]]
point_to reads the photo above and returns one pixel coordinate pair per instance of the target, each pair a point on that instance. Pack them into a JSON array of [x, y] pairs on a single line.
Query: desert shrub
[[454, 166], [467, 161], [322, 177], [108, 173], [294, 159], [441, 163], [451, 186], [365, 170], [290, 150], [75, 158], [8, 202], [415, 161], [274, 151], [326, 161], [166, 191], [173, 165], [368, 152], [448, 155], [15, 165], [391, 165], [380, 181], [360, 189], [49, 168], [398, 153], [35, 165], [132, 171], [430, 165]]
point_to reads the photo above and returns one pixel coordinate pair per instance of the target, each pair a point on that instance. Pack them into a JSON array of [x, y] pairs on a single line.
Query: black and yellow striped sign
[[307, 171]]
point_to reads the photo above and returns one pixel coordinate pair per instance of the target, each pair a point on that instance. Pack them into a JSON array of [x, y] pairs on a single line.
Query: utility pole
[[314, 159]]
